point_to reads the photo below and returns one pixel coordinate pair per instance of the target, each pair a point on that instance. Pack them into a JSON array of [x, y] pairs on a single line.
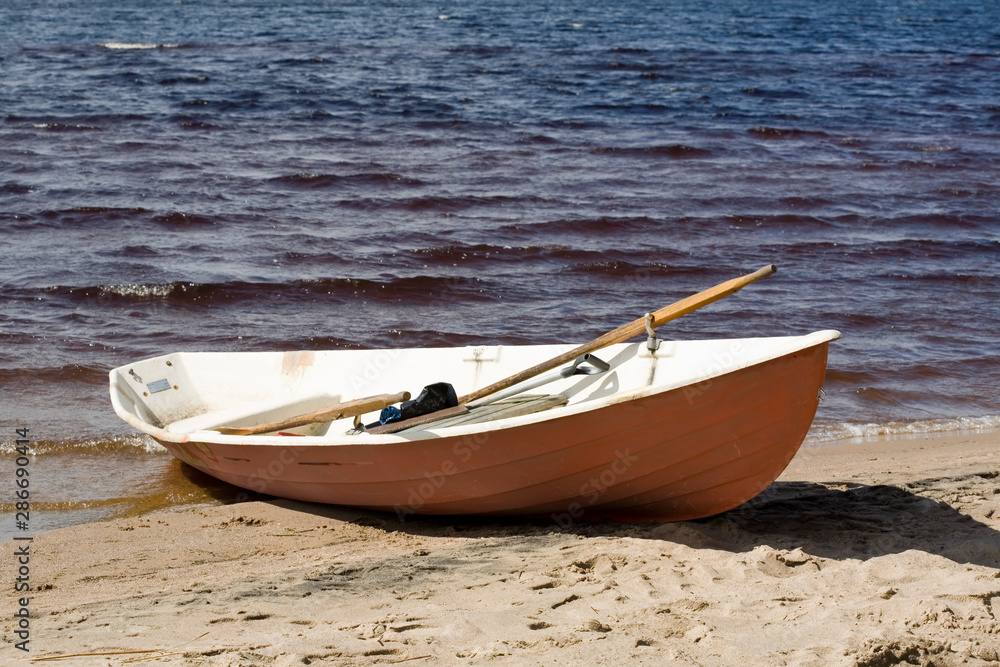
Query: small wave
[[931, 148], [13, 188], [976, 280], [175, 80], [140, 251], [65, 127], [878, 396], [183, 220], [305, 60], [785, 133], [136, 46], [624, 269], [487, 252], [852, 376], [626, 107], [775, 94], [930, 164], [93, 122], [443, 205], [120, 444], [629, 50], [314, 257], [957, 219], [539, 139], [409, 289], [476, 49], [309, 181], [224, 105], [138, 292], [189, 122], [590, 226], [853, 431], [781, 219], [81, 214], [676, 151], [917, 252], [806, 202], [59, 374]]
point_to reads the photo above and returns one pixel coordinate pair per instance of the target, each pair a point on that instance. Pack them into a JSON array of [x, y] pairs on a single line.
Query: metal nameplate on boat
[[159, 385]]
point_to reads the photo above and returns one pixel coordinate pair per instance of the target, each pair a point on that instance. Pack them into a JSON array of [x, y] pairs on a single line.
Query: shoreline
[[863, 552]]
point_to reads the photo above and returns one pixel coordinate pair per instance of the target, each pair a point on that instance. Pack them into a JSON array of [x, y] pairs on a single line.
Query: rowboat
[[658, 430]]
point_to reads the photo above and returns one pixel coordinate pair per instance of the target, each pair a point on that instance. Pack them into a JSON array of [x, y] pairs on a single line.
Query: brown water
[[244, 177]]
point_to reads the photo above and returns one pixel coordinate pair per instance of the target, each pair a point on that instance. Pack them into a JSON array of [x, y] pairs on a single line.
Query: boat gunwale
[[803, 342]]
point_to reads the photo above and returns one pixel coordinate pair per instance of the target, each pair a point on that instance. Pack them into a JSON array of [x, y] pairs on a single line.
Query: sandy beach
[[874, 553]]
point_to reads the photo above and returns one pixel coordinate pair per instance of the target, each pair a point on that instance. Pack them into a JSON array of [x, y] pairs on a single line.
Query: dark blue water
[[259, 176]]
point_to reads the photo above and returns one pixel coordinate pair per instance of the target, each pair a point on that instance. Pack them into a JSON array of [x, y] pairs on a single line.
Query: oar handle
[[353, 408], [696, 301], [623, 333]]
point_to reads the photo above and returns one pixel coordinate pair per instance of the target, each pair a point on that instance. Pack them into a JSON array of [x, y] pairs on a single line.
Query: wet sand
[[874, 553]]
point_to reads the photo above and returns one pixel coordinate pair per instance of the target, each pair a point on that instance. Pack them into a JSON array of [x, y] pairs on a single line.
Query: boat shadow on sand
[[832, 520], [945, 516], [858, 521]]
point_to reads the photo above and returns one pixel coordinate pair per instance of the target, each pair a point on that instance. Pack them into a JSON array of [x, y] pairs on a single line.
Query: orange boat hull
[[680, 454]]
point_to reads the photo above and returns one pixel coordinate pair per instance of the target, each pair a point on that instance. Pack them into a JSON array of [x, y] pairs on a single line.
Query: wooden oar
[[623, 333], [353, 408], [619, 335]]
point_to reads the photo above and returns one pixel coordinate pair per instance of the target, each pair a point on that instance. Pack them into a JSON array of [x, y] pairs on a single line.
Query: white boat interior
[[173, 396]]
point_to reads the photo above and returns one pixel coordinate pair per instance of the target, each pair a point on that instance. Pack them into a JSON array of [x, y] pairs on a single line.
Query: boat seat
[[515, 406], [254, 413]]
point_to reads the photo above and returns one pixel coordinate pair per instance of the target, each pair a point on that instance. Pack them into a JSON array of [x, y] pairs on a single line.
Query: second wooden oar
[[623, 333], [353, 408]]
